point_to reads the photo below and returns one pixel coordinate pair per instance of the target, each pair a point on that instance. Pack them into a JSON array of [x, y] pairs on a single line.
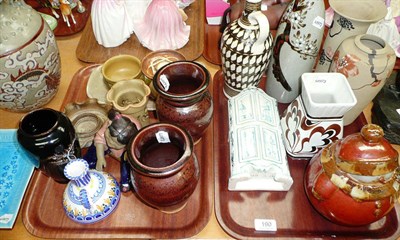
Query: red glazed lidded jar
[[354, 181]]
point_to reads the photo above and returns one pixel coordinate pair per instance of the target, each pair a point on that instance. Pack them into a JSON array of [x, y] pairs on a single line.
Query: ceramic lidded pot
[[246, 46], [354, 181], [164, 167], [91, 195], [183, 96], [30, 66], [50, 136]]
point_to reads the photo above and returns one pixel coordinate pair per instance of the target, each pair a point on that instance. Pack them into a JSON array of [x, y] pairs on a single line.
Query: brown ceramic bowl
[[120, 68]]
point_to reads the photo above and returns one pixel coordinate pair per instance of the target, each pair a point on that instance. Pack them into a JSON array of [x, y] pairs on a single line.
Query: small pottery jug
[[91, 195], [183, 96], [164, 167], [30, 66], [246, 46], [50, 136], [130, 97], [297, 43], [350, 18], [354, 181], [366, 61]]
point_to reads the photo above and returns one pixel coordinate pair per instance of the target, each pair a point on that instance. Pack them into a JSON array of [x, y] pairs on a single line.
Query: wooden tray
[[212, 37], [43, 215], [88, 50], [294, 215]]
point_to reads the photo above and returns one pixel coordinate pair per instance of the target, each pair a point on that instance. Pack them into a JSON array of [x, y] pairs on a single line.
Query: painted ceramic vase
[[315, 118], [183, 96], [50, 136], [246, 46], [91, 195], [297, 43], [354, 181], [164, 167], [350, 18], [30, 66], [366, 61]]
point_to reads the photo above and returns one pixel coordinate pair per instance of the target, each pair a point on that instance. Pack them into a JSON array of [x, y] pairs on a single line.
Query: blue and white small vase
[[91, 195]]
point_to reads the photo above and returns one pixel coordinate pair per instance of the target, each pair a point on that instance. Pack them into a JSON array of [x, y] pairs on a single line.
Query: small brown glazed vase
[[164, 167], [183, 96], [354, 181]]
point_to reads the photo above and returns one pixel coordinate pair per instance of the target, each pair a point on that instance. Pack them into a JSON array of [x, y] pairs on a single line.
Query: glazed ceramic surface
[[350, 19], [183, 96], [354, 181], [246, 46], [164, 167], [87, 118], [91, 195], [120, 68], [50, 136], [297, 43], [30, 67], [257, 155], [130, 97], [366, 61]]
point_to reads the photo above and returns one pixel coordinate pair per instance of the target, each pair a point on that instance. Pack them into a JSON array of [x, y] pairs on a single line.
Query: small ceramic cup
[[121, 68]]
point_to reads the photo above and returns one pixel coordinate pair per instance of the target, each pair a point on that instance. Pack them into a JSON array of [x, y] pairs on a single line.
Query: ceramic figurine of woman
[[113, 137], [162, 27]]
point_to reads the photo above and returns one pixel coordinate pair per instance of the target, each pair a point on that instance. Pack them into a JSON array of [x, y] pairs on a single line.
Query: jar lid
[[366, 153], [19, 24]]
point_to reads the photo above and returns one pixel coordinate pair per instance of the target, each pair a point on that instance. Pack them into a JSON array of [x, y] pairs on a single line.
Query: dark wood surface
[[43, 215], [88, 50], [294, 215]]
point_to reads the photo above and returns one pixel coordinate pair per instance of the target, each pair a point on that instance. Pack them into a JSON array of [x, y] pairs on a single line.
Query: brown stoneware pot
[[164, 167], [354, 181]]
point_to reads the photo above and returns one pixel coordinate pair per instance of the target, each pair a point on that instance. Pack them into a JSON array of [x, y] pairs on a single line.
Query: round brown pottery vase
[[354, 181], [246, 46], [50, 136], [30, 67], [366, 61], [350, 18], [164, 167], [183, 96], [297, 43]]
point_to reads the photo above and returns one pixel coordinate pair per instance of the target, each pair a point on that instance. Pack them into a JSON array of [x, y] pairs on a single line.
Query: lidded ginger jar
[[354, 181]]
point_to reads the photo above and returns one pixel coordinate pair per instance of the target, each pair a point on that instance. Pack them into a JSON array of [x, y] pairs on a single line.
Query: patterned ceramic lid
[[19, 24]]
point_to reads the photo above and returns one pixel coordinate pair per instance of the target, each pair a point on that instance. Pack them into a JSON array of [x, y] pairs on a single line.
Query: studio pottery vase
[[30, 66], [366, 61], [246, 46], [296, 46], [354, 181]]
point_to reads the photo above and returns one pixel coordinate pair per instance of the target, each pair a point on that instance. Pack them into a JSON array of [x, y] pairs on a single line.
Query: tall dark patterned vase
[[296, 46], [246, 46]]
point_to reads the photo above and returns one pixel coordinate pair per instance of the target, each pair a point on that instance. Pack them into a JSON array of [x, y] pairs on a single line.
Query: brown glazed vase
[[164, 167], [354, 181], [183, 96]]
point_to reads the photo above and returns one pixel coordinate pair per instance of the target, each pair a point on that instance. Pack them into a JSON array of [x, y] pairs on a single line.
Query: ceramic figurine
[[246, 46], [162, 27], [30, 66], [257, 155], [50, 136], [183, 96], [111, 23], [113, 137], [164, 168], [366, 61], [91, 195], [297, 43], [354, 181], [137, 9]]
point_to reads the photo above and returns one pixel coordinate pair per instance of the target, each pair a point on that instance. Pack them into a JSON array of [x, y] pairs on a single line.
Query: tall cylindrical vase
[[297, 43], [367, 61], [350, 18], [246, 46]]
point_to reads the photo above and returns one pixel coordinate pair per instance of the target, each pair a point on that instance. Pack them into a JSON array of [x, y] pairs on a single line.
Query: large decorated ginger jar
[[354, 181]]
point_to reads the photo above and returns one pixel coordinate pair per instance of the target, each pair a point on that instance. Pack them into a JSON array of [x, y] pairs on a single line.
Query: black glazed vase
[[50, 136]]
